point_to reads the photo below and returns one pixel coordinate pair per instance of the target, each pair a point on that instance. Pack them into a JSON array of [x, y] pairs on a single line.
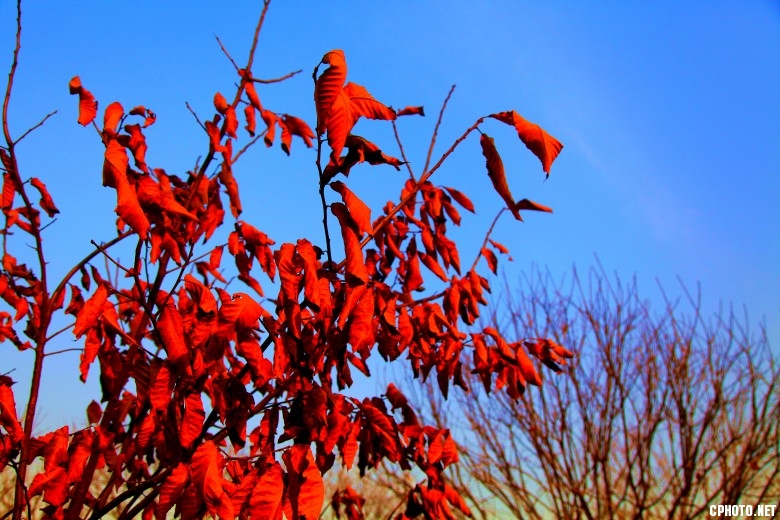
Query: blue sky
[[668, 112]]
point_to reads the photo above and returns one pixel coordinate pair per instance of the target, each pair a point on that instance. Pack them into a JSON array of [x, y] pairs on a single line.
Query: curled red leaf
[[535, 138], [87, 104]]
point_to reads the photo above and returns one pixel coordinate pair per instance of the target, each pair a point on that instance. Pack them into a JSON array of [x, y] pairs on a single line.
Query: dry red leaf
[[527, 204], [220, 103], [148, 115], [461, 199], [306, 490], [8, 417], [499, 246], [192, 420], [92, 310], [111, 117], [351, 103], [87, 104], [266, 499], [47, 203], [137, 145], [358, 210], [249, 115], [114, 175], [251, 93], [350, 232], [492, 261], [365, 105], [297, 126], [269, 118], [241, 311], [171, 490], [411, 111], [495, 168], [172, 333], [328, 86], [535, 138]]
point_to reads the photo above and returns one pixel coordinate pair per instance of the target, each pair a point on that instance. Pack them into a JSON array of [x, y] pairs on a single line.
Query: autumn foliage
[[212, 402]]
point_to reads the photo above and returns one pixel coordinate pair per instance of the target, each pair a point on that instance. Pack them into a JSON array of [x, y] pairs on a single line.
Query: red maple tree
[[212, 402]]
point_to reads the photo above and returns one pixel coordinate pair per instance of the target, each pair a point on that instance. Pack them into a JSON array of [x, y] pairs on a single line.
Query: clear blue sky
[[669, 114]]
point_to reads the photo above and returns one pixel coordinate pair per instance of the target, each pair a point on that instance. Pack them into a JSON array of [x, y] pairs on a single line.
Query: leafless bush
[[662, 413]]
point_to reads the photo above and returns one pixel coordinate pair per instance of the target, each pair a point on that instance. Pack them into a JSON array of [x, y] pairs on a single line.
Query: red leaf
[[137, 145], [171, 489], [91, 347], [115, 176], [251, 93], [89, 314], [358, 210], [87, 104], [396, 398], [148, 115], [298, 127], [495, 168], [231, 122], [112, 116], [160, 391], [231, 186], [249, 115], [433, 265], [542, 144], [492, 261], [269, 118], [241, 310], [220, 103], [365, 105], [362, 333], [328, 86], [411, 111], [527, 204], [207, 467], [192, 421], [527, 367], [356, 267], [266, 499], [94, 413], [9, 188], [308, 256], [342, 117], [500, 247], [8, 418], [306, 490], [461, 199], [171, 330], [47, 203], [352, 102]]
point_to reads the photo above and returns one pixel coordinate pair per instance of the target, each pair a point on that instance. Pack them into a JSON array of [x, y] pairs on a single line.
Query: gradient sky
[[669, 113]]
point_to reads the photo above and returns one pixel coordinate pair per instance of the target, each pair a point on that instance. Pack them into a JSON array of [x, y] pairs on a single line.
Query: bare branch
[[39, 124]]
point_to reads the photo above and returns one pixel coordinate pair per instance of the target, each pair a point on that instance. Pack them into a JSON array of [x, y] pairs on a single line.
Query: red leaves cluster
[[187, 367], [339, 107]]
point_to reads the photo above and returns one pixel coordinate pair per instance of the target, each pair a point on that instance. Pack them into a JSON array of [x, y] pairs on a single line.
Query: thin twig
[[227, 53], [436, 128], [40, 123], [247, 146], [276, 80], [266, 4], [194, 115], [101, 249], [401, 148], [487, 237], [64, 350], [60, 331]]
